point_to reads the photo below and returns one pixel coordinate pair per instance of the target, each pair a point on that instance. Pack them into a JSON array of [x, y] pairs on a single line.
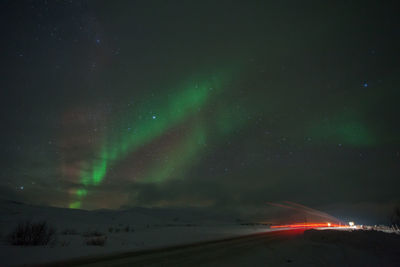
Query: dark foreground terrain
[[281, 248]]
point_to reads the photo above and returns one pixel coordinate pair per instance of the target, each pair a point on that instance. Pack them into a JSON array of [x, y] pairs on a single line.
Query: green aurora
[[163, 114], [188, 107], [345, 128]]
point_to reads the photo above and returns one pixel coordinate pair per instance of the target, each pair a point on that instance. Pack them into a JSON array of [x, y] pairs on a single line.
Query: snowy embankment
[[81, 233], [74, 246], [117, 231]]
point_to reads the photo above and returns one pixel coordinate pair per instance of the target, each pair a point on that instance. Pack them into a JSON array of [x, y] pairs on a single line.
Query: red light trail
[[308, 225]]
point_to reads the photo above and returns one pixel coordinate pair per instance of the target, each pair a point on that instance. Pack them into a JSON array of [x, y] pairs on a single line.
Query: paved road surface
[[242, 251]]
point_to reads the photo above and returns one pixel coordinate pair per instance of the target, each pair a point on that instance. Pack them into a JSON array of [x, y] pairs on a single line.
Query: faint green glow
[[75, 205], [81, 192], [345, 129], [181, 157], [355, 133]]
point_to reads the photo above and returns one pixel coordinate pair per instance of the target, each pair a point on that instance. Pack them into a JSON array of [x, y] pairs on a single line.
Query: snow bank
[[124, 230]]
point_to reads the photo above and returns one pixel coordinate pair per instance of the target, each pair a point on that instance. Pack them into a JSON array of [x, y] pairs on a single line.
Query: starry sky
[[200, 103]]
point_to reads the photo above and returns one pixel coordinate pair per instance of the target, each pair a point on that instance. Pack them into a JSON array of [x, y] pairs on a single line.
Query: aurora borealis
[[200, 103], [167, 112]]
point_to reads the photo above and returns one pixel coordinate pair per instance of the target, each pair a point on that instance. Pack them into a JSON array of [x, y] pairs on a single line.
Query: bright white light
[[329, 224], [351, 223]]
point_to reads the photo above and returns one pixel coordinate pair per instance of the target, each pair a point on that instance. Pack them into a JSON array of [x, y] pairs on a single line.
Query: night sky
[[109, 104]]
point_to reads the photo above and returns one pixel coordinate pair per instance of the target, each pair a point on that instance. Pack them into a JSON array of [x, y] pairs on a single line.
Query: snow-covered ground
[[128, 230], [154, 237], [139, 229], [339, 248]]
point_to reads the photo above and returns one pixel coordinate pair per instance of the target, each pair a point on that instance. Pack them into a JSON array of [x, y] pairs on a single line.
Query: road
[[239, 251]]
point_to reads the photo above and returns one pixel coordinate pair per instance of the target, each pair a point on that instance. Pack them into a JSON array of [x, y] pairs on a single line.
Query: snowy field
[[140, 229], [130, 230], [337, 248]]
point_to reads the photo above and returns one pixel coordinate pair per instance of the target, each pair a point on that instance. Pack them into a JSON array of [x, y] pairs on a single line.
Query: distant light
[[22, 188], [329, 224], [365, 85], [351, 223], [154, 117]]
